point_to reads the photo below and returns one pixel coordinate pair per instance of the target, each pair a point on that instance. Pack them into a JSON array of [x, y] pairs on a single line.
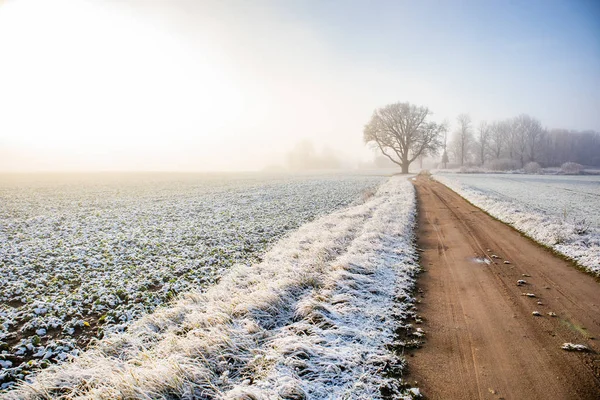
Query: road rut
[[483, 342]]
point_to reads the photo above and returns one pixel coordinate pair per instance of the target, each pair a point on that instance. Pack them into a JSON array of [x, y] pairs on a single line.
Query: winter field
[[259, 299], [559, 211]]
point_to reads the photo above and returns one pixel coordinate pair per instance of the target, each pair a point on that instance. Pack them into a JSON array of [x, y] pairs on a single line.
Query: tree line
[[404, 132], [520, 140]]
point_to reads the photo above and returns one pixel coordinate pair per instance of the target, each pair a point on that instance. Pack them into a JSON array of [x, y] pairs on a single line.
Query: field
[[562, 212], [317, 315], [85, 255]]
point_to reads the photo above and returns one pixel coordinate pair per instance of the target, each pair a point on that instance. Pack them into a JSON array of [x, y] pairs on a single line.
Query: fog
[[237, 85]]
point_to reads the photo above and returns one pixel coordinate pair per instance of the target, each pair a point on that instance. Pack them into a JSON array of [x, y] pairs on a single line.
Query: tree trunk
[[405, 168]]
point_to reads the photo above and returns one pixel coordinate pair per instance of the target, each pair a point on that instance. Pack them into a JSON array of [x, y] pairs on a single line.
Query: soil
[[483, 341]]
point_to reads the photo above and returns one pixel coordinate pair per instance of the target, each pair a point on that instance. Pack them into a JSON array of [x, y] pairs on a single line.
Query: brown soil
[[482, 340]]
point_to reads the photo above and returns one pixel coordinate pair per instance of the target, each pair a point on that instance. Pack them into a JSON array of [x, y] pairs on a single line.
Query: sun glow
[[85, 84]]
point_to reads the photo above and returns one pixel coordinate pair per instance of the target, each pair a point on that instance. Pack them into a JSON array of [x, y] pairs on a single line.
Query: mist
[[230, 86]]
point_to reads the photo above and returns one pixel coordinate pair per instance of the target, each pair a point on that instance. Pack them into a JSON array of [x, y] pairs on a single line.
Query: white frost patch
[[574, 347], [312, 320], [551, 226]]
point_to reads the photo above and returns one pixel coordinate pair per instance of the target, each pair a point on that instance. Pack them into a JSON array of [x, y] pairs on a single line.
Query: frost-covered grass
[[82, 255], [314, 319], [562, 212]]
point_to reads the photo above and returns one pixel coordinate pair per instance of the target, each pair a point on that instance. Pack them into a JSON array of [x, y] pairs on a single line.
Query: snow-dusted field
[[315, 318], [559, 211], [83, 255]]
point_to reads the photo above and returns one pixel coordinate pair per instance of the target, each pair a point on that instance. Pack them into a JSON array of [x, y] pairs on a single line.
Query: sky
[[191, 85]]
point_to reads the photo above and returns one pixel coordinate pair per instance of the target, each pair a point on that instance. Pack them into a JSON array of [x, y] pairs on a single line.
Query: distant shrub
[[571, 168], [502, 164], [532, 168]]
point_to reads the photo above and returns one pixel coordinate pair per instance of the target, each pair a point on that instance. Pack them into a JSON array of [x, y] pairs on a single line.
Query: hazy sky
[[229, 85]]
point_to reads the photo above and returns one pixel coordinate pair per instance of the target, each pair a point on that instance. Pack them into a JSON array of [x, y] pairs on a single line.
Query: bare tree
[[445, 159], [533, 131], [519, 137], [483, 138], [445, 152], [511, 138], [463, 139], [497, 139], [402, 133]]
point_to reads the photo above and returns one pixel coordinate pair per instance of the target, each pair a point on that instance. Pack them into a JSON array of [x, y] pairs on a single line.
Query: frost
[[313, 318], [574, 347], [81, 259]]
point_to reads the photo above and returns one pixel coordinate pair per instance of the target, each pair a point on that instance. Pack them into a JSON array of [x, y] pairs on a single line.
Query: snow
[[315, 318], [561, 212]]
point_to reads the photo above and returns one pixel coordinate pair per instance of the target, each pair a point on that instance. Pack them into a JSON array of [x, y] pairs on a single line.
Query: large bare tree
[[402, 132]]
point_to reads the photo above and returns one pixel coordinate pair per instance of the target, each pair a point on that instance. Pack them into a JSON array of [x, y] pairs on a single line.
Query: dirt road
[[483, 342]]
